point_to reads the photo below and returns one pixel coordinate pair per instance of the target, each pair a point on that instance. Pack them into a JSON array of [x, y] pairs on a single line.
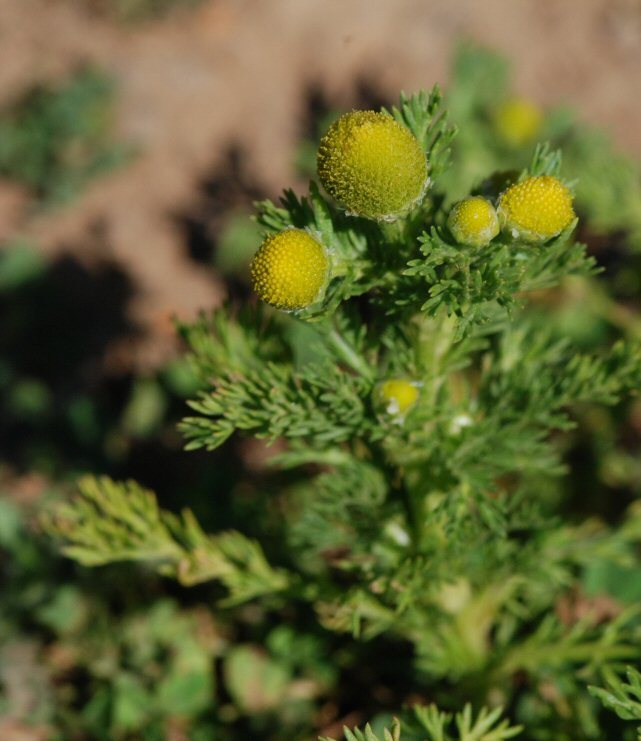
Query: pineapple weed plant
[[56, 139], [406, 353]]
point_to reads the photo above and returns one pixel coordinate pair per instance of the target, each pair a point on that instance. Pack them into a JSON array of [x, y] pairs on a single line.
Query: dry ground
[[236, 71]]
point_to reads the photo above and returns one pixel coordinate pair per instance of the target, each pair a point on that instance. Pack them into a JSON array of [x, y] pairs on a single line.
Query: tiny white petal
[[399, 535]]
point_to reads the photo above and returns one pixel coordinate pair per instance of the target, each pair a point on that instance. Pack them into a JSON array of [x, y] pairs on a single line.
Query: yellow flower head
[[290, 270], [537, 208], [372, 165], [518, 121], [397, 395], [473, 221]]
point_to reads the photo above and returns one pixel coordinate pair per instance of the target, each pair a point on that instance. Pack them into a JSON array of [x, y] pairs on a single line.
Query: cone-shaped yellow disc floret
[[290, 269], [397, 395], [372, 165], [473, 221], [536, 209]]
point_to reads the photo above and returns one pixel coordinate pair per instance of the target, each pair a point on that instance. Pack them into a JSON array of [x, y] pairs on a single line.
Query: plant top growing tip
[[414, 394]]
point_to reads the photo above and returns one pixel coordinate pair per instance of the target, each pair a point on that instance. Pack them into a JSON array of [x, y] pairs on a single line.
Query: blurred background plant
[[137, 11], [121, 653], [56, 139]]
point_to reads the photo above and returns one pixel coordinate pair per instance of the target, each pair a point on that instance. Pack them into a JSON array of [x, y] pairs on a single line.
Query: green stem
[[347, 353], [414, 507], [617, 314], [394, 231]]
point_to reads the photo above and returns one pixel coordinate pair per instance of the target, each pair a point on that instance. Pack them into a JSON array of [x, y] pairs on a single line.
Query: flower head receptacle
[[372, 165], [536, 209], [290, 270], [473, 221]]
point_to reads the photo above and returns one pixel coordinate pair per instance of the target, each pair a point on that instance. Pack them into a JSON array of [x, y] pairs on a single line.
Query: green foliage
[[608, 183], [272, 401], [136, 698], [608, 188], [110, 521], [622, 695], [236, 244], [151, 666], [55, 140], [445, 531], [471, 286], [19, 263], [425, 117], [430, 724]]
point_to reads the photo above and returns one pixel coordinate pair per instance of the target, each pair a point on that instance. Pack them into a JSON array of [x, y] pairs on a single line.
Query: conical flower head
[[537, 208], [290, 270], [473, 221], [372, 165]]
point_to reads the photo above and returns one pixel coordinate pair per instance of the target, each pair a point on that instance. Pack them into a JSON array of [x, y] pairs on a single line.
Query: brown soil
[[237, 72]]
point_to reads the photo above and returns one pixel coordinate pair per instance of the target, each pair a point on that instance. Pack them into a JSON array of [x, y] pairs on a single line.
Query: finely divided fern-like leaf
[[112, 521]]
